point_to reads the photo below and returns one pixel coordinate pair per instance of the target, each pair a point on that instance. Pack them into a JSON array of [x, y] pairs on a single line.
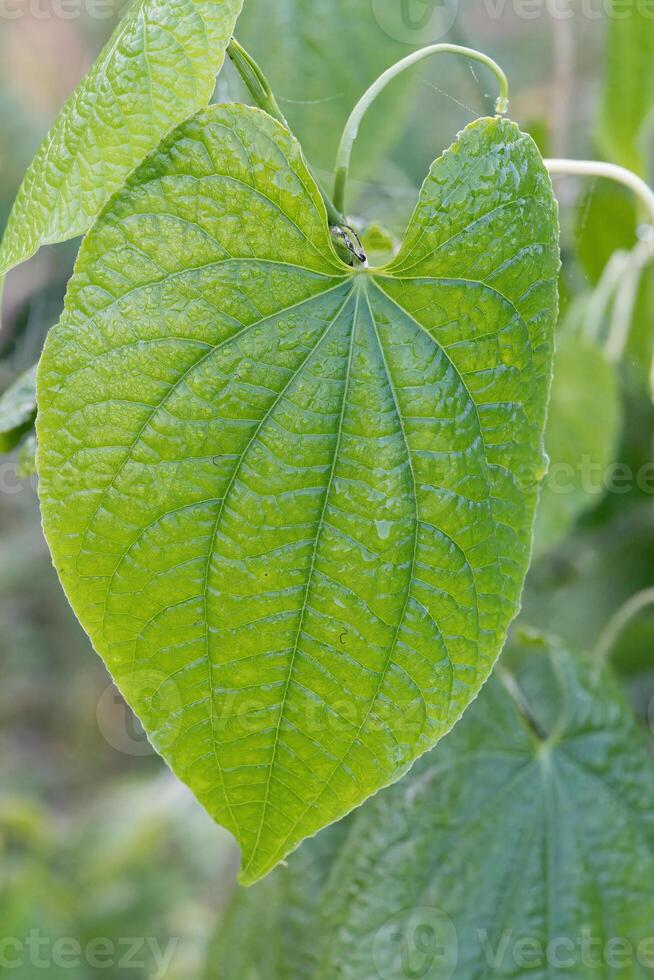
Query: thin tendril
[[351, 130], [596, 168], [625, 614]]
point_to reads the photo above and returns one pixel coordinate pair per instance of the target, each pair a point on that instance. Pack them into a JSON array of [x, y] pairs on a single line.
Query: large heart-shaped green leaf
[[292, 502], [522, 846], [157, 70]]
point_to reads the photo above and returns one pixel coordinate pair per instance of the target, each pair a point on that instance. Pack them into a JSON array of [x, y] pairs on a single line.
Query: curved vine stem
[[603, 294], [626, 297], [628, 611], [351, 130], [596, 168], [622, 276]]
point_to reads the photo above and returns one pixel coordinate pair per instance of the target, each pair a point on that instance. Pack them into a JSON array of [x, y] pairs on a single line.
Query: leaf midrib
[[469, 396], [317, 538], [205, 590], [366, 281], [389, 659]]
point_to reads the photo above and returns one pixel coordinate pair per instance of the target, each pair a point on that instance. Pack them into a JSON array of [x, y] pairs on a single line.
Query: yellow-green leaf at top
[[292, 502], [158, 69]]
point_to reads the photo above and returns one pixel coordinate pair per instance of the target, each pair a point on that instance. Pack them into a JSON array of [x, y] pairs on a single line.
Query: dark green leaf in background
[[275, 930], [606, 223], [520, 847]]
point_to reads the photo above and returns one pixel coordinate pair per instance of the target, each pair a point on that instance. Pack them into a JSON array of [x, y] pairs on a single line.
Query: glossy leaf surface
[[17, 409], [292, 502], [157, 69], [521, 846]]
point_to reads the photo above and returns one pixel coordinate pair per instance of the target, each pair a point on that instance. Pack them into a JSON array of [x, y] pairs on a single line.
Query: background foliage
[[97, 840]]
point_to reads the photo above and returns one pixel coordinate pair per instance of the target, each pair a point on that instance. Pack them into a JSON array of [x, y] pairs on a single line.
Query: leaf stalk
[[261, 91]]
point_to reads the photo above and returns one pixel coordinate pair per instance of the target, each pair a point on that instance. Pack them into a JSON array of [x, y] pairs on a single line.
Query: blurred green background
[[97, 838]]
